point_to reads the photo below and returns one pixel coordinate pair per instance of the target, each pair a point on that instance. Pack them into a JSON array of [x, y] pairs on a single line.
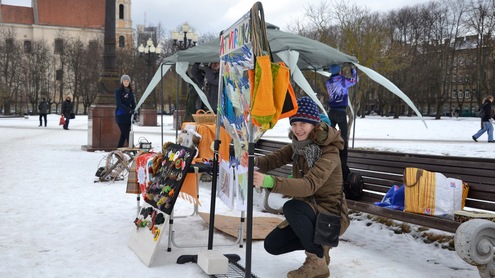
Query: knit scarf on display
[[308, 149]]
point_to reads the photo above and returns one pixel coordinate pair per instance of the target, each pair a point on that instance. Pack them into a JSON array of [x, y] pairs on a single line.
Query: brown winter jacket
[[323, 180]]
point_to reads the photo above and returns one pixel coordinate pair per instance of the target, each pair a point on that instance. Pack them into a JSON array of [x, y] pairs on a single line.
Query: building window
[[121, 11], [59, 46], [454, 94], [467, 94], [27, 46], [93, 46], [121, 41], [9, 44]]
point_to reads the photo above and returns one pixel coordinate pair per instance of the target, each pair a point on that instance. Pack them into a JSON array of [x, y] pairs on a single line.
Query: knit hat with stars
[[307, 112]]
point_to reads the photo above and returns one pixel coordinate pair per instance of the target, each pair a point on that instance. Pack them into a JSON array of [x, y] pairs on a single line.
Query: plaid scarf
[[308, 149]]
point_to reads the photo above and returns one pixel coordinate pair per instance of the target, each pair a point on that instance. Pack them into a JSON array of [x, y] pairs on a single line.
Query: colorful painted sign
[[236, 36]]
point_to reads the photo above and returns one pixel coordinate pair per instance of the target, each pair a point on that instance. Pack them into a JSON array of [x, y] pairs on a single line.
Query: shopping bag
[[262, 105], [284, 98], [62, 120], [393, 199], [431, 193]]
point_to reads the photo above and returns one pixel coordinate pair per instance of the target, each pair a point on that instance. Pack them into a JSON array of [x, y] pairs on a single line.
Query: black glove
[[132, 111]]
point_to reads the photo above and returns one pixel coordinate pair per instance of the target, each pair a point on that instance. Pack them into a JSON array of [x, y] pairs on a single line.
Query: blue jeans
[[487, 127]]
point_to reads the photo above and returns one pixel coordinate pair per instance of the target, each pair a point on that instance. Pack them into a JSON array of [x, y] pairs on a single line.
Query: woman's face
[[126, 83], [301, 130]]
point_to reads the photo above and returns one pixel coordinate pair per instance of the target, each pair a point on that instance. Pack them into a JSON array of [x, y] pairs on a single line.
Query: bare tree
[[37, 60], [480, 20], [91, 73], [10, 66]]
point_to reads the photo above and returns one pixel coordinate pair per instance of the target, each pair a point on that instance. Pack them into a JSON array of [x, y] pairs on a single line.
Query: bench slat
[[417, 219]]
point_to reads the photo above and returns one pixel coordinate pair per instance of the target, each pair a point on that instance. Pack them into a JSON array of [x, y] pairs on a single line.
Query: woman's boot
[[313, 267]]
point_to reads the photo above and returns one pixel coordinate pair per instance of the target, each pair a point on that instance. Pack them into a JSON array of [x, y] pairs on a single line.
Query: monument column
[[103, 132]]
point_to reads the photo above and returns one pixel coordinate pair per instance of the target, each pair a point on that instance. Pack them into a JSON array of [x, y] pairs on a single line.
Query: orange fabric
[[189, 189], [262, 104], [282, 92], [207, 132]]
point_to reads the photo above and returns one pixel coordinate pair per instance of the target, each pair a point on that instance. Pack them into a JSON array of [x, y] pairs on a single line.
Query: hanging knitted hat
[[125, 77], [307, 111]]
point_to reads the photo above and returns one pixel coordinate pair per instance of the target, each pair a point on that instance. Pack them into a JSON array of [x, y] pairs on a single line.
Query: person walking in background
[[66, 111], [337, 87], [487, 126], [43, 110], [316, 185], [125, 105]]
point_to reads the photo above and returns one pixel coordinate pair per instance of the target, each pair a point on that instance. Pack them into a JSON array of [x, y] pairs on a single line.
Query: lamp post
[[189, 39], [182, 40], [149, 53]]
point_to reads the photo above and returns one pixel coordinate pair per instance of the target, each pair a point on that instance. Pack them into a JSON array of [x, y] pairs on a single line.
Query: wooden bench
[[381, 170]]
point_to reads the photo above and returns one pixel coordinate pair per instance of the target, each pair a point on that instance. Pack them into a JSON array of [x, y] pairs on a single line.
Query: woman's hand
[[244, 159], [258, 178]]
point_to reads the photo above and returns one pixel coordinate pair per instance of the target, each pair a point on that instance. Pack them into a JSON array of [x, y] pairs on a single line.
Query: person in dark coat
[[125, 105], [66, 111], [207, 78], [43, 110], [487, 125]]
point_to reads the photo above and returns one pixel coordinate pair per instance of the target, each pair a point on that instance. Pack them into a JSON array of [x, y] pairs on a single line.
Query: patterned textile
[[307, 111]]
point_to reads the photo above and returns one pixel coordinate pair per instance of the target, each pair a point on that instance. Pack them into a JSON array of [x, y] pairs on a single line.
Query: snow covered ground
[[56, 222]]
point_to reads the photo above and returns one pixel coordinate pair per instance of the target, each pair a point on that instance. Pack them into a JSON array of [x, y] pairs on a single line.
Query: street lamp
[[189, 39], [149, 53]]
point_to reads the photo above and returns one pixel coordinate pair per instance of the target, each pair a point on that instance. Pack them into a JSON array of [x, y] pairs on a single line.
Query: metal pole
[[161, 99], [177, 108]]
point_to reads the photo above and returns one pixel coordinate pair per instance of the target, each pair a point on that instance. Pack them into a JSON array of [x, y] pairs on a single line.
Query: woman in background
[[125, 105], [66, 111]]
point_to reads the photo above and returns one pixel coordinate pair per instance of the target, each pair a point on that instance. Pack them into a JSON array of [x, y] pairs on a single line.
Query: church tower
[[123, 24]]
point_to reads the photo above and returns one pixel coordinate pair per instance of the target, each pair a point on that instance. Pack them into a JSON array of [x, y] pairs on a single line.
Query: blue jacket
[[125, 103], [337, 88]]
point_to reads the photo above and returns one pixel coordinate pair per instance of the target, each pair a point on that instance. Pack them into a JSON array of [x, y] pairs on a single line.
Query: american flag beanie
[[307, 111]]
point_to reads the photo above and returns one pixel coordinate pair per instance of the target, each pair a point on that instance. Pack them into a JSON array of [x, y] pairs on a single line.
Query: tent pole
[[176, 106], [161, 100]]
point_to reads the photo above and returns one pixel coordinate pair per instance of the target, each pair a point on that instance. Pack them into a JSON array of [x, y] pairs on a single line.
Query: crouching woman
[[315, 185]]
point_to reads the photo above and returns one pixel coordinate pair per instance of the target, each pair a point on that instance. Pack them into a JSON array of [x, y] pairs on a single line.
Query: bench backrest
[[380, 170]]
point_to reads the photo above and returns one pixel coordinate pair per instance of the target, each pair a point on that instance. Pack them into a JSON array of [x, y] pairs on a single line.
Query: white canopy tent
[[298, 53]]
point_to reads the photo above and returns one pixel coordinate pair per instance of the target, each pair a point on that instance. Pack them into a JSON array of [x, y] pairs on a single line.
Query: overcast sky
[[213, 16]]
